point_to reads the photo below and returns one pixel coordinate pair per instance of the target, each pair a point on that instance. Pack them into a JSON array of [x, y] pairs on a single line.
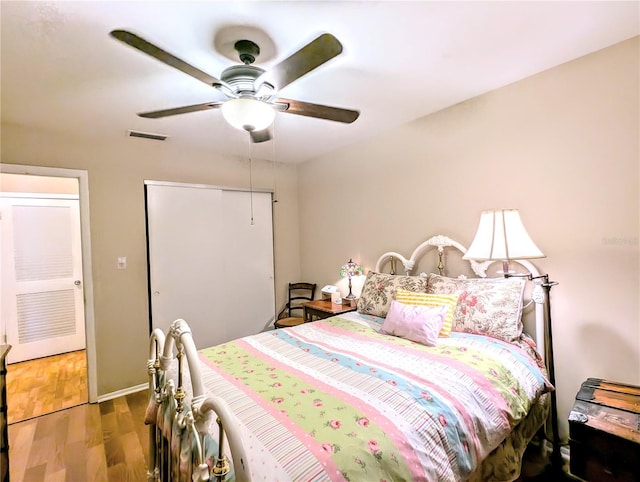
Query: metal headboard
[[440, 243]]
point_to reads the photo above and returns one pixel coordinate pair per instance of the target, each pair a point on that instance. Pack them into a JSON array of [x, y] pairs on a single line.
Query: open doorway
[[53, 365]]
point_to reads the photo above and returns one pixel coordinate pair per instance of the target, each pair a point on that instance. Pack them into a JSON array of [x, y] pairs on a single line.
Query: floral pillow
[[416, 323], [486, 306], [379, 288]]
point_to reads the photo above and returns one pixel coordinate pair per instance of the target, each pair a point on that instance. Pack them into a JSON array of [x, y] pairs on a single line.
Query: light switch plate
[[122, 262]]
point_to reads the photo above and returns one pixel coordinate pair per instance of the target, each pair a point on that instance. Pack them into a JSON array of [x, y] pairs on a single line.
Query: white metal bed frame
[[204, 405]]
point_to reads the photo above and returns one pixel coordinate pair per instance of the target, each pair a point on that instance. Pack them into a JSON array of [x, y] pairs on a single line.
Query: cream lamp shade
[[248, 114], [502, 236]]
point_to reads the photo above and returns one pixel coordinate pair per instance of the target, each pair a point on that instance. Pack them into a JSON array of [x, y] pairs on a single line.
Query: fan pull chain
[[251, 189], [250, 181], [275, 169]]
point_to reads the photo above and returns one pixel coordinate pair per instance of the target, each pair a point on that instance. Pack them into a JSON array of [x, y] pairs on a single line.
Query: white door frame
[[83, 191]]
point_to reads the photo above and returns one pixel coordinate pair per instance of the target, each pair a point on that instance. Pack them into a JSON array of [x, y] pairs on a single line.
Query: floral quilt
[[338, 400]]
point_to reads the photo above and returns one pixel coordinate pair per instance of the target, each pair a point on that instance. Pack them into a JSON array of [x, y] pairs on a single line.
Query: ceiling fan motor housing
[[241, 79]]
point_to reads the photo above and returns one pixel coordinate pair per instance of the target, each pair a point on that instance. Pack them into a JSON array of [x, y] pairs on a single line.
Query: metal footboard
[[167, 398]]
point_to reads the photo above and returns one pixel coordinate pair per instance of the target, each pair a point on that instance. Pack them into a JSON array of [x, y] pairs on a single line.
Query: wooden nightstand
[[604, 432], [324, 309]]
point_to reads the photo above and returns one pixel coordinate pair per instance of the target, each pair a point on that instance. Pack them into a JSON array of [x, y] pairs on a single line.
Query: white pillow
[[421, 324]]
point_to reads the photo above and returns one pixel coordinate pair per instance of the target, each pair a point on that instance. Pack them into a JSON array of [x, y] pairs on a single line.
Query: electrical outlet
[[122, 262]]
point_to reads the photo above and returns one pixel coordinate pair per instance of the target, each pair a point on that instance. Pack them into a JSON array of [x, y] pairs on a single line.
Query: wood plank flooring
[[45, 385], [106, 442]]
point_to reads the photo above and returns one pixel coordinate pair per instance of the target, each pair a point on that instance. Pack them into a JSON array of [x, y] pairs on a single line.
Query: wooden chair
[[299, 293]]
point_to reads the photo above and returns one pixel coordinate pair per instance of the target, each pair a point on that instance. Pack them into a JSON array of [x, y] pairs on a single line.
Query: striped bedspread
[[337, 400]]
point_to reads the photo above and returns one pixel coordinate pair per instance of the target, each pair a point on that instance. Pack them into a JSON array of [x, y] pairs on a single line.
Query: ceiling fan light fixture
[[248, 114]]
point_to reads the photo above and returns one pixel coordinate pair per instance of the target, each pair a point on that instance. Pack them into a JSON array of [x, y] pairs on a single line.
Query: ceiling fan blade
[[312, 55], [180, 110], [163, 56], [260, 136], [308, 109]]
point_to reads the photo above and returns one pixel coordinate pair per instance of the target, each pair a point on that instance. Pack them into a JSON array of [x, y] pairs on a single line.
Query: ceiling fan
[[251, 92]]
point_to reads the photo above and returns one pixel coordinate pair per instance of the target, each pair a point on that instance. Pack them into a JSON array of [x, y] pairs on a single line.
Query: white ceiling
[[402, 60]]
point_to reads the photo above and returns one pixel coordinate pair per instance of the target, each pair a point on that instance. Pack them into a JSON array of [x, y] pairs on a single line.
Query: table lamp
[[349, 270]]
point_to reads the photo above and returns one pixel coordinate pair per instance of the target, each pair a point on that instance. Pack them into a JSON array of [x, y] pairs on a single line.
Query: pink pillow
[[417, 323]]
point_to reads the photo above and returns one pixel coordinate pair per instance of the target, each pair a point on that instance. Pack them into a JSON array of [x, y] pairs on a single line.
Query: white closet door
[[207, 263]]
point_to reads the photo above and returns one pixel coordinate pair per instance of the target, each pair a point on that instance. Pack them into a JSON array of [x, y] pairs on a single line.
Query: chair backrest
[[300, 293]]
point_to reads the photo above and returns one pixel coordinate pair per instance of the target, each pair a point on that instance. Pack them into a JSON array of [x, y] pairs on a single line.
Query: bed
[[433, 378]]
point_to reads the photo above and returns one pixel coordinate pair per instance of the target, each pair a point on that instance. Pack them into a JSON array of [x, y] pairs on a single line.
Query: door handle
[[77, 282]]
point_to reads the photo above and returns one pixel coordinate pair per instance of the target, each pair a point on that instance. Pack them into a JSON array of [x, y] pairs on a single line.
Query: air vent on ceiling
[[147, 135]]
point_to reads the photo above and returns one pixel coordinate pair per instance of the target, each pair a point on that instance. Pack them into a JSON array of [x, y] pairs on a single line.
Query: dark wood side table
[[324, 309], [4, 435], [604, 432]]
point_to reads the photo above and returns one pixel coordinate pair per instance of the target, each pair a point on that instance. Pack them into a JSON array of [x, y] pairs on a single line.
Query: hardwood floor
[[55, 435], [45, 385], [90, 442]]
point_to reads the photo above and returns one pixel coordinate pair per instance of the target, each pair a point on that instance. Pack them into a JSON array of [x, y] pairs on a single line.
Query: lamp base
[[350, 296], [349, 300]]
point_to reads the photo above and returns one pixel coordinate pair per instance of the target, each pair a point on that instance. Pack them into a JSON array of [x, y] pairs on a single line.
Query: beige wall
[[116, 173], [561, 146]]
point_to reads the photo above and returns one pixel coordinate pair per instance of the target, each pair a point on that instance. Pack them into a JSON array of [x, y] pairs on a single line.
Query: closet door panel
[[248, 264], [185, 256]]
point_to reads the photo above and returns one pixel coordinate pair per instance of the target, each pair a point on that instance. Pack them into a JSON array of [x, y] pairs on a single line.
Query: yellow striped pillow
[[427, 299]]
